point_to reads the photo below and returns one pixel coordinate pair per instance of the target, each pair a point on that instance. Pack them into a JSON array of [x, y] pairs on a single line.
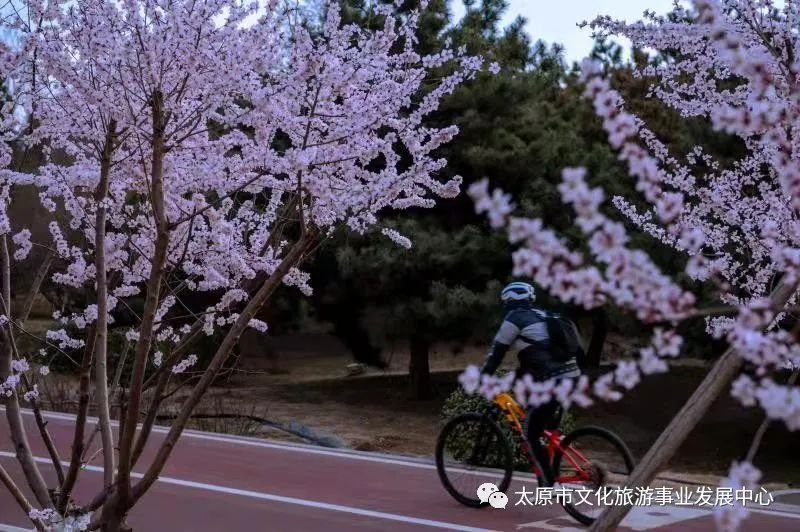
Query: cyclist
[[524, 331]]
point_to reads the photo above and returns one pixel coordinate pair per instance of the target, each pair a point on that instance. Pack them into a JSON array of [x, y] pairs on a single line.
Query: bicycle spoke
[[591, 461], [470, 453]]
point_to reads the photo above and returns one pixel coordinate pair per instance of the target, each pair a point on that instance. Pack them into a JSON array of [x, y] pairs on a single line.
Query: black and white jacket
[[524, 332]]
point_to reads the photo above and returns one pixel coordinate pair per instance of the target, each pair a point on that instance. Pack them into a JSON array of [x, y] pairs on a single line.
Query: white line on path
[[9, 528], [286, 500], [337, 507], [783, 510], [413, 462], [268, 444]]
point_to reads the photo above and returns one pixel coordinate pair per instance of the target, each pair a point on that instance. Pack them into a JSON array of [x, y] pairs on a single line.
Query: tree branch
[[101, 327], [19, 436], [41, 274], [80, 424], [41, 424], [292, 259], [718, 378], [142, 351], [12, 487]]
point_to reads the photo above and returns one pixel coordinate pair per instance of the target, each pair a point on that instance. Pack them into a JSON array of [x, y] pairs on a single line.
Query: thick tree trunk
[[717, 380], [419, 371], [116, 523], [356, 339], [271, 354], [345, 315]]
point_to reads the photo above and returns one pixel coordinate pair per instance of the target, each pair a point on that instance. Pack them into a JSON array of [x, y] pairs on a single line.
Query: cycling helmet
[[517, 291]]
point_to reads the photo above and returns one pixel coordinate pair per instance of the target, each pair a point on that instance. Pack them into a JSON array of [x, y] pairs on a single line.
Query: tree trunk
[[717, 380], [345, 315], [101, 325], [357, 340], [419, 371], [116, 523], [598, 339], [271, 353], [16, 426]]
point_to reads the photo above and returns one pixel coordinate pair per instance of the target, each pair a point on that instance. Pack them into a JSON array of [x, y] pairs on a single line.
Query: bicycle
[[492, 456]]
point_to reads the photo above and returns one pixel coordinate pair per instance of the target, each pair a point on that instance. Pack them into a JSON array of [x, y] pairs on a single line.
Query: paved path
[[220, 483]]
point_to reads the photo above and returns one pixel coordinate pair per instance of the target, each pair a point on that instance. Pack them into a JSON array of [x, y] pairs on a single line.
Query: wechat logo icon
[[488, 492]]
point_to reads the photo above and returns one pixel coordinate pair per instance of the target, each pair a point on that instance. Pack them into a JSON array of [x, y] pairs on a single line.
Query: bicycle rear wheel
[[590, 458], [472, 450]]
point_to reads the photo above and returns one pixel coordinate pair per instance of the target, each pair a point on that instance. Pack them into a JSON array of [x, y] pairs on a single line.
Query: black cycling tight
[[544, 417]]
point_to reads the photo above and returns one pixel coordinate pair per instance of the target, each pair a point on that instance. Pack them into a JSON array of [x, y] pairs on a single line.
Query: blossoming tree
[[191, 147], [736, 64]]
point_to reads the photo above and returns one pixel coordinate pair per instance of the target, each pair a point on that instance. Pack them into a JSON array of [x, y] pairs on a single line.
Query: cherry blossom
[[397, 238], [741, 476], [204, 149], [735, 64], [184, 364]]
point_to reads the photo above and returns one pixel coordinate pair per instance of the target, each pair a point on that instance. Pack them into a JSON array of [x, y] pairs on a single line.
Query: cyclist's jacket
[[524, 332]]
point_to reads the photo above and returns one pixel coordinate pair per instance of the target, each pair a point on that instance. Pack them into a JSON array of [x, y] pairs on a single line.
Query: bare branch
[[13, 414], [41, 274], [295, 256], [80, 424], [41, 424], [101, 327], [12, 487], [142, 350], [45, 434]]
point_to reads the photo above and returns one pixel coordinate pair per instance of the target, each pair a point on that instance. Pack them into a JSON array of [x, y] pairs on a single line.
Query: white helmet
[[517, 291]]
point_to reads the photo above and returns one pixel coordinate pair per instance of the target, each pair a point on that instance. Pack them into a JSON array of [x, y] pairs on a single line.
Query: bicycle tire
[[595, 432], [503, 447]]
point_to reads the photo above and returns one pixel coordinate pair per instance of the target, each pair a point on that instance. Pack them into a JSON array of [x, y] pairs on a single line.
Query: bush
[[460, 402]]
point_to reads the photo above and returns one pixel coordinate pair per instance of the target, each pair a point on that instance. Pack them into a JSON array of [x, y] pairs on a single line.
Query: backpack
[[565, 342]]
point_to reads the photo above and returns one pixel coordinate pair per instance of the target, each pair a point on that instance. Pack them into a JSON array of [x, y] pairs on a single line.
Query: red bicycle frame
[[515, 414]]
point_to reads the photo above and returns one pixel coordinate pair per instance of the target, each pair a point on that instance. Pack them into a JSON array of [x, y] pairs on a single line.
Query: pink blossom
[[184, 364], [258, 325], [741, 476], [33, 394], [744, 389], [24, 244], [20, 365], [397, 238], [470, 380]]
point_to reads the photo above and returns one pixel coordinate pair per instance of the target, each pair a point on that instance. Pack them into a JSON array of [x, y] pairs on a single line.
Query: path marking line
[[260, 442], [288, 500], [782, 510], [419, 463], [348, 509], [9, 528]]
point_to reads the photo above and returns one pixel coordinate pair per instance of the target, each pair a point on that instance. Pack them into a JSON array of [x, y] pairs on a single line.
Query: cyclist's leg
[[557, 415], [540, 418]]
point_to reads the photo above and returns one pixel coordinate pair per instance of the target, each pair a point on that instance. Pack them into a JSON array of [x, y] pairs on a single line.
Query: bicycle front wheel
[[471, 451], [590, 458]]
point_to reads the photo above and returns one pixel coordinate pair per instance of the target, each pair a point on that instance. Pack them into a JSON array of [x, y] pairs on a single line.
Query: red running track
[[221, 483]]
